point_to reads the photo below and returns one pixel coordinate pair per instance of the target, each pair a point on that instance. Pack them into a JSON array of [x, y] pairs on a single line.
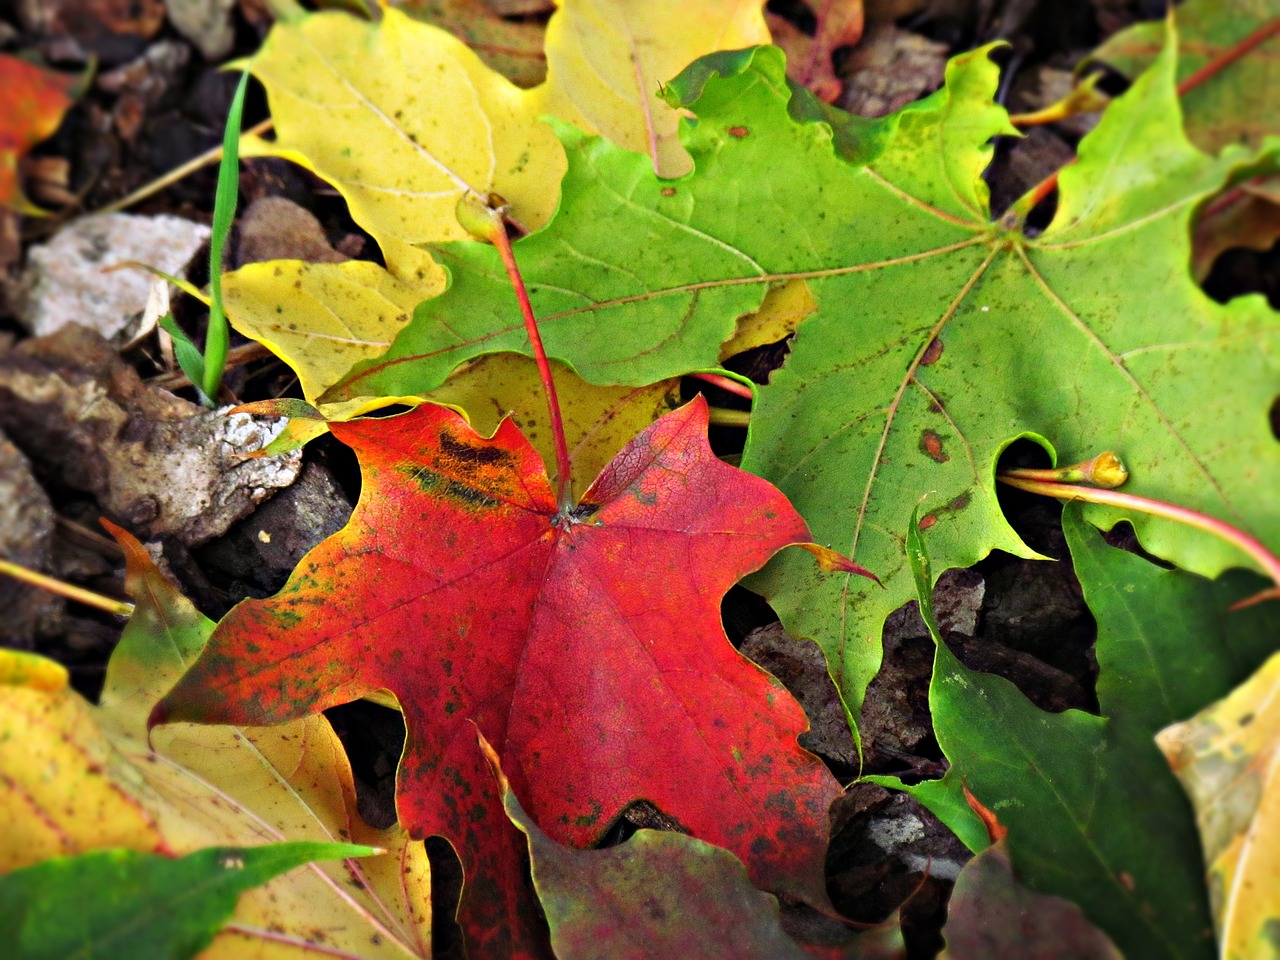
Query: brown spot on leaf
[[931, 444], [738, 132], [932, 352], [464, 452], [927, 521], [668, 191]]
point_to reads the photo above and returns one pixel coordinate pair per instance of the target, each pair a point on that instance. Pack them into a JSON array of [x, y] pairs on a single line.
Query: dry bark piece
[[26, 538], [64, 282], [262, 549], [888, 850], [895, 724], [154, 462]]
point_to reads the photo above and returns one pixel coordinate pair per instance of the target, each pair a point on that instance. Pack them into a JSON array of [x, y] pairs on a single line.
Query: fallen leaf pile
[[560, 659]]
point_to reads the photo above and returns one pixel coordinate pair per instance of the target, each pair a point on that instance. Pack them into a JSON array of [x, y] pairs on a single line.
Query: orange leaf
[[32, 102]]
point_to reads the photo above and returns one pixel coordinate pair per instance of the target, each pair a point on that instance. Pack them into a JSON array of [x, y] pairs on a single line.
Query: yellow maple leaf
[[322, 318], [1228, 759], [80, 778], [403, 119], [607, 60]]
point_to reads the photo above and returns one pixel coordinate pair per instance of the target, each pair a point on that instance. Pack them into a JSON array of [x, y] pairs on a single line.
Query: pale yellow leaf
[[321, 318], [1228, 759], [607, 59], [403, 119], [780, 313], [80, 778]]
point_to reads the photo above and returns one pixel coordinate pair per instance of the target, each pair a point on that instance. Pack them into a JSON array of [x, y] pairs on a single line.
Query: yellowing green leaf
[[1228, 759], [607, 60], [80, 778], [598, 421]]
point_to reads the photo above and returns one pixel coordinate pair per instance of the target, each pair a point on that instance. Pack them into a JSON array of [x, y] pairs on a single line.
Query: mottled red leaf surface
[[586, 648], [658, 895], [32, 102], [991, 914]]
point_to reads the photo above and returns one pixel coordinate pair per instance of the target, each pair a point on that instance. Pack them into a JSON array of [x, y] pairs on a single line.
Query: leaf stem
[[1225, 59], [1269, 563], [724, 417], [119, 607], [499, 237], [726, 384]]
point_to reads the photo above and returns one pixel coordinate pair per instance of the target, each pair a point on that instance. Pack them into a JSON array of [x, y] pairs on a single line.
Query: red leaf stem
[[564, 490], [726, 384]]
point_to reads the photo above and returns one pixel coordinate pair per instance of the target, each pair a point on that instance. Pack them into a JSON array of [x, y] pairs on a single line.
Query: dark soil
[[157, 103]]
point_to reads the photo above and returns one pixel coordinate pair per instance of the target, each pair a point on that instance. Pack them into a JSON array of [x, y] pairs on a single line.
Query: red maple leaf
[[586, 646], [32, 102]]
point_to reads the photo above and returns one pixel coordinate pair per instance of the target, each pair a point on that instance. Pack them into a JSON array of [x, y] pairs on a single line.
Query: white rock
[[206, 23], [64, 282]]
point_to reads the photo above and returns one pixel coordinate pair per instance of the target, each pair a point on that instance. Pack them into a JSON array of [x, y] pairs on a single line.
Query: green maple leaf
[[941, 336], [1237, 105], [915, 375], [127, 903], [1093, 811]]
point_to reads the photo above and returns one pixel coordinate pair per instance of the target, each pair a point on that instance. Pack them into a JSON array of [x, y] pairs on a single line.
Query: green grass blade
[[217, 338], [188, 355]]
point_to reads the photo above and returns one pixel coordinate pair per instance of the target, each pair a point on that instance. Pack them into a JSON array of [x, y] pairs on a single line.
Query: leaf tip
[[834, 562], [996, 831], [159, 715]]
